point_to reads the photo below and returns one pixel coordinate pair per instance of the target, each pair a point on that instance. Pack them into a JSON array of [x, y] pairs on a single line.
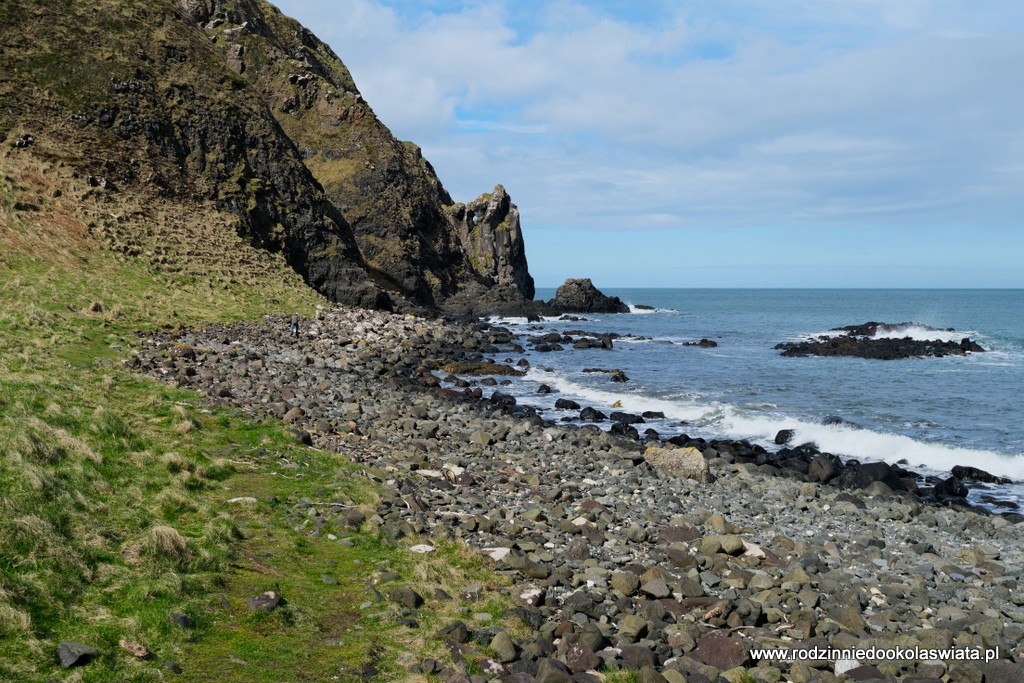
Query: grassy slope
[[113, 487]]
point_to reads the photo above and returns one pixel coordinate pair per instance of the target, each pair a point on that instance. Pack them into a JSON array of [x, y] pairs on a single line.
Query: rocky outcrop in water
[[581, 296], [861, 341]]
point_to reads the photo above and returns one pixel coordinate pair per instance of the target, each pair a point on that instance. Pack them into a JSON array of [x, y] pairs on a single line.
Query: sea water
[[928, 413]]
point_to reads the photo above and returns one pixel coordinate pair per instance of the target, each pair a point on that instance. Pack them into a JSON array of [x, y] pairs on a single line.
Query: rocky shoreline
[[619, 561]]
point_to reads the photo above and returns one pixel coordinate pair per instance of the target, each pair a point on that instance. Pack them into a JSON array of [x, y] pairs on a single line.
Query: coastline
[[617, 566]]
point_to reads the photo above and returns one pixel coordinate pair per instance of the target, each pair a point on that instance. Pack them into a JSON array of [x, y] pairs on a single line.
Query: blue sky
[[716, 143]]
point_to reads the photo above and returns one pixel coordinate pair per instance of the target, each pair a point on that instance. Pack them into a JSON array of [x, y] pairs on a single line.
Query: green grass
[[113, 489]]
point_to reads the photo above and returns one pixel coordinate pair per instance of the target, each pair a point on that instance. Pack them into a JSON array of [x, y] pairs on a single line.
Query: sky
[[715, 143]]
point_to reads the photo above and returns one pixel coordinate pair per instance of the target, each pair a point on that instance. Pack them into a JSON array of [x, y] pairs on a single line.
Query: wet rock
[[864, 475], [581, 296], [964, 473], [862, 341], [951, 488], [784, 436]]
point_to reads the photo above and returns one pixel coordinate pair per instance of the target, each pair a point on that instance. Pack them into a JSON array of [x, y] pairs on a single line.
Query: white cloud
[[741, 113]]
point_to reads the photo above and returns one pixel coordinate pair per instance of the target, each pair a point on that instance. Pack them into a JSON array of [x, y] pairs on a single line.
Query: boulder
[[784, 436], [581, 296], [862, 476], [951, 488], [964, 473], [825, 468], [75, 654], [722, 651], [682, 463]]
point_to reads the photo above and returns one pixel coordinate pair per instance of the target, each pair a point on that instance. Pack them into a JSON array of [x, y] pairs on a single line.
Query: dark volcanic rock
[[862, 341], [951, 488], [965, 473], [581, 296], [862, 476], [784, 436]]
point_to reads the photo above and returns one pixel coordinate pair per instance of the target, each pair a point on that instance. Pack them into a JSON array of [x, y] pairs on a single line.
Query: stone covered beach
[[620, 561]]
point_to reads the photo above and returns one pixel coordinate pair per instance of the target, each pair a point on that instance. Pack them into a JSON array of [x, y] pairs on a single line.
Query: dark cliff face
[[489, 232], [137, 96], [412, 241], [229, 103]]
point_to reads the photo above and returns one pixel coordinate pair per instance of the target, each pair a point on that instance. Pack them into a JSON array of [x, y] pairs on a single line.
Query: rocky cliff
[[230, 104], [412, 235]]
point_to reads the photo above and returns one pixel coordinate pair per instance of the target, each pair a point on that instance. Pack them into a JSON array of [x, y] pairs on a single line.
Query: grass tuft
[[164, 543]]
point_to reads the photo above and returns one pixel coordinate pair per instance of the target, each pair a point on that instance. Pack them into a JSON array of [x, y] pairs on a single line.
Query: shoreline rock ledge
[[579, 295]]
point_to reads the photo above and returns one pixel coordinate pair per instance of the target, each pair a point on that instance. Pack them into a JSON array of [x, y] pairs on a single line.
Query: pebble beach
[[619, 560]]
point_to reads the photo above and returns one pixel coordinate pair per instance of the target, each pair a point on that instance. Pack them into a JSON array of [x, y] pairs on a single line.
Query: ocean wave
[[513, 321], [865, 444], [723, 420], [915, 331], [638, 310]]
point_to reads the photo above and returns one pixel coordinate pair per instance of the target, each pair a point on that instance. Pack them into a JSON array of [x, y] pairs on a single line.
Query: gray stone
[[626, 583], [503, 647], [722, 651], [75, 654], [580, 657], [681, 463], [266, 602], [552, 671], [406, 597]]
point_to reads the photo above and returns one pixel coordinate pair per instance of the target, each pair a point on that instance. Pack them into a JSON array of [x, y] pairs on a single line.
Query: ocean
[[929, 413]]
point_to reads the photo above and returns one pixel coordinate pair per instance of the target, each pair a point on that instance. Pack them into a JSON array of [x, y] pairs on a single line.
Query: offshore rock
[[862, 341], [581, 296]]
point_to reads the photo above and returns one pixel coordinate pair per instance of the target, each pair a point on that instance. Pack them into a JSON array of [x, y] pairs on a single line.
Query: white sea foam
[[922, 333], [634, 308], [725, 420], [902, 331], [854, 442], [506, 321]]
